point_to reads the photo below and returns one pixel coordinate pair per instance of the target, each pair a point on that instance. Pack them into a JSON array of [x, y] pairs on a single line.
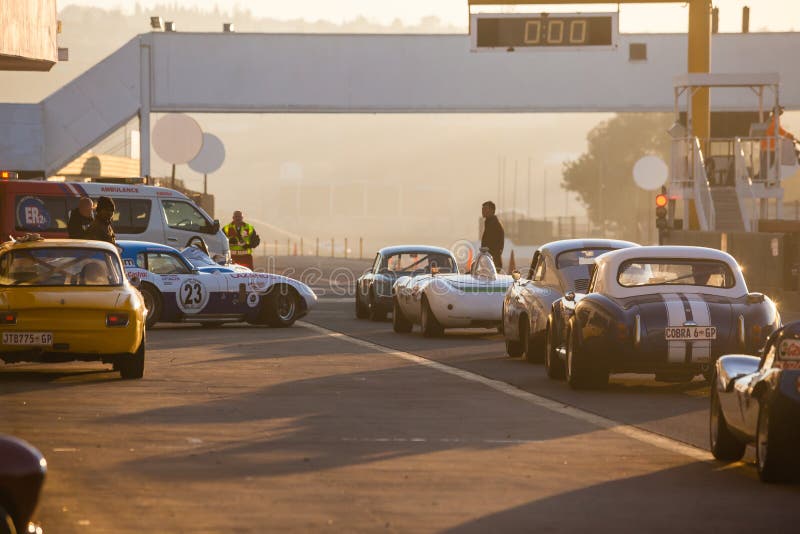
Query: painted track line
[[643, 436]]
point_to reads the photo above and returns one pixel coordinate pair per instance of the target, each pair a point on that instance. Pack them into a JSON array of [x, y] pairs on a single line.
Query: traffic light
[[661, 211]]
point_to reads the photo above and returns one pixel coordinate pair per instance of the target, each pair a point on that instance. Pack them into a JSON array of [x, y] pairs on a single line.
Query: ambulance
[[144, 213]]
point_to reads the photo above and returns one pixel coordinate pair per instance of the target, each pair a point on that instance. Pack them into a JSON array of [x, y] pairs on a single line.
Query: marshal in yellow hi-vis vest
[[242, 238]]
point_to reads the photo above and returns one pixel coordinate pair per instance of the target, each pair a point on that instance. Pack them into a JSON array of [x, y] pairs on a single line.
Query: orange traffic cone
[[468, 267], [512, 263]]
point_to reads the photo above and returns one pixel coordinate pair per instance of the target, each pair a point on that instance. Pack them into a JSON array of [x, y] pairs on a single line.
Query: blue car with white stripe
[[189, 287], [671, 311]]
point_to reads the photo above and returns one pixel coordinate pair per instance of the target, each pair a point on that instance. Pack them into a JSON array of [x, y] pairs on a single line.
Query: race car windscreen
[[410, 262], [584, 256], [198, 258], [690, 272], [60, 266]]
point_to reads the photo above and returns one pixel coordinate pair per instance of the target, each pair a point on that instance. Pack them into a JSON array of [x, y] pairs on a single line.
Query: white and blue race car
[[189, 287]]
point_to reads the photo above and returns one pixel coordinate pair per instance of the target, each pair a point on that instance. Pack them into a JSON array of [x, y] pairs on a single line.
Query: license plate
[[690, 333], [35, 339]]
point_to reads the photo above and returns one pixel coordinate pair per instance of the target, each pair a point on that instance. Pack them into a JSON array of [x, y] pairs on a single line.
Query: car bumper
[[74, 344], [624, 357], [458, 311]]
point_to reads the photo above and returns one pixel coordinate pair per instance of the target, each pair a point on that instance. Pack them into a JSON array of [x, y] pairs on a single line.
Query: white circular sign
[[650, 173], [252, 300], [210, 157], [192, 296], [177, 138]]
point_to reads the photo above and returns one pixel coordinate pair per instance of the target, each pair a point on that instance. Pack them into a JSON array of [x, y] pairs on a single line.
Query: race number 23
[[192, 296]]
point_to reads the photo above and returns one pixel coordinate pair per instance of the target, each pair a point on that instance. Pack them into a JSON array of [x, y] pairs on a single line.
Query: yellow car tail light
[[117, 319]]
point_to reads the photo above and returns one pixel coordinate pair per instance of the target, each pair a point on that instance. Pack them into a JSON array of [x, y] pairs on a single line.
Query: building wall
[[28, 34]]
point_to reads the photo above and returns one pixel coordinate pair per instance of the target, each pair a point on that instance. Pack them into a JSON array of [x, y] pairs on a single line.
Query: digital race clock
[[543, 30]]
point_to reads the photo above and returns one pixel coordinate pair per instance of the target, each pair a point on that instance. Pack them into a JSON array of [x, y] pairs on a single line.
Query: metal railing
[[748, 204], [704, 204], [680, 163]]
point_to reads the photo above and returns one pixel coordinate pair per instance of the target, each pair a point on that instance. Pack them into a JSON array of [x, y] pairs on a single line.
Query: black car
[[757, 400], [374, 287], [671, 311]]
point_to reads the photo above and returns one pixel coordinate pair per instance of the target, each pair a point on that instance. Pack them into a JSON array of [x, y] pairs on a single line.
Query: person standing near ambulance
[[81, 218], [242, 238]]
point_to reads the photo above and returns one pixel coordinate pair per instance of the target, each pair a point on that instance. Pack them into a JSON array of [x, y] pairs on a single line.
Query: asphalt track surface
[[340, 425]]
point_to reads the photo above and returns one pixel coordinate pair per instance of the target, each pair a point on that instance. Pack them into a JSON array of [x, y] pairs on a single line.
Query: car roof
[[669, 251], [114, 189], [95, 189], [385, 251], [139, 246], [557, 247], [608, 265], [58, 243]]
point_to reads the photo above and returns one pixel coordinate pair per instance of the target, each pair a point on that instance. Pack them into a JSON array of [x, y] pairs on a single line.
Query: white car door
[[184, 222]]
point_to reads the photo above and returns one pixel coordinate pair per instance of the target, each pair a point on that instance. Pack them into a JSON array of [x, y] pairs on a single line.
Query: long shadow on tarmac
[[27, 379], [336, 421], [668, 501]]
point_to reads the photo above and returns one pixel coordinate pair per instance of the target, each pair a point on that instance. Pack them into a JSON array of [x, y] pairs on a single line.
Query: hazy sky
[[773, 15]]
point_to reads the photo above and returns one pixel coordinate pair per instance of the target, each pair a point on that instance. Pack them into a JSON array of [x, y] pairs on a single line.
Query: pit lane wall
[[28, 35], [770, 261]]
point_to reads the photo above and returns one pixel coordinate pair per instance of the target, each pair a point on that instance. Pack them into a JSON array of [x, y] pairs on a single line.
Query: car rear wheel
[[771, 450], [152, 302], [375, 312], [534, 346], [361, 309], [400, 324], [430, 326], [281, 307], [580, 373], [552, 363], [724, 445], [514, 349], [133, 366]]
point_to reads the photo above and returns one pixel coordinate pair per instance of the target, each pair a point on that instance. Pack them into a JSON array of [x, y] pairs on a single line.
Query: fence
[[319, 249], [526, 232]]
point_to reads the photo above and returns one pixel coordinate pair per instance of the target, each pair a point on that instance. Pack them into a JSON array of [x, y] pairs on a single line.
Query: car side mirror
[[755, 298], [215, 226], [570, 296], [516, 275], [135, 281]]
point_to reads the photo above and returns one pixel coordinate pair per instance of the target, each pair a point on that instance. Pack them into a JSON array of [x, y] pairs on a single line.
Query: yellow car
[[69, 300]]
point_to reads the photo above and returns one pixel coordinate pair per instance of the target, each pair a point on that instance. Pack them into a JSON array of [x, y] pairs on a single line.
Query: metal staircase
[[728, 214], [91, 106]]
